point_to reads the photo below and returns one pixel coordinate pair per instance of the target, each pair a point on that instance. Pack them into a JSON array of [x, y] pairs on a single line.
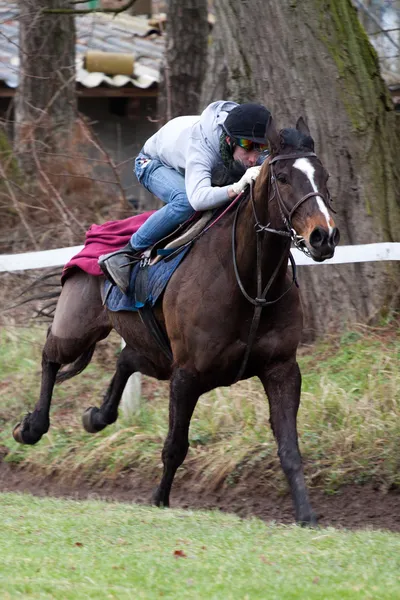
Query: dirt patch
[[353, 507]]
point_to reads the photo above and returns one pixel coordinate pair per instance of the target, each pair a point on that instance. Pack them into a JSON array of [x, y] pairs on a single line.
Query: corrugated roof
[[97, 31], [137, 35]]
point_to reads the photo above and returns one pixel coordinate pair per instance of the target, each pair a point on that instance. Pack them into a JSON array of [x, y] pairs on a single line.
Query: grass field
[[57, 549], [349, 420]]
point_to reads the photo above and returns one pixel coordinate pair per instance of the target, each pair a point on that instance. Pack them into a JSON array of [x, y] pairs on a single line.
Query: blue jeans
[[169, 186]]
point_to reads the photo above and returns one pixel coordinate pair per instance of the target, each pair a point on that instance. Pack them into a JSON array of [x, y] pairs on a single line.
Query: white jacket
[[190, 145]]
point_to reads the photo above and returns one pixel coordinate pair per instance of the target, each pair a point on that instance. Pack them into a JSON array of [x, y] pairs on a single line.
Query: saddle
[[186, 233], [113, 235], [151, 273]]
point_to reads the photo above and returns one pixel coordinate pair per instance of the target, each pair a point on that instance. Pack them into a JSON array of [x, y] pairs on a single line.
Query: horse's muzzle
[[322, 243]]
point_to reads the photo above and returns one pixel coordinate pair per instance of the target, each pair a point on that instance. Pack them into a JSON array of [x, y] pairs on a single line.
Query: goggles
[[250, 145]]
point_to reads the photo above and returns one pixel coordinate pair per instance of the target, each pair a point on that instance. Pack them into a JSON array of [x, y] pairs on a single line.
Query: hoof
[[17, 434], [308, 521], [157, 500], [88, 420], [23, 434]]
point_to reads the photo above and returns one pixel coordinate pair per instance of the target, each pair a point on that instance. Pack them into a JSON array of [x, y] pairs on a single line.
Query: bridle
[[260, 301], [287, 214]]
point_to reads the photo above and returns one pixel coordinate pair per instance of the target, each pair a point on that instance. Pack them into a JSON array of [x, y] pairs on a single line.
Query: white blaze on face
[[305, 166]]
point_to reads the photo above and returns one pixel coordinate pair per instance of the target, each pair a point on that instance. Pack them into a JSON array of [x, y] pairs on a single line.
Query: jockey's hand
[[250, 175]]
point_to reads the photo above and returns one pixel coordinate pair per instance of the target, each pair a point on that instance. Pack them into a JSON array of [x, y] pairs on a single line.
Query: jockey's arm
[[201, 194]]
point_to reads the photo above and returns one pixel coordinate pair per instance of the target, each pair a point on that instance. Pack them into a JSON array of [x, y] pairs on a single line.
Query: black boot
[[117, 265]]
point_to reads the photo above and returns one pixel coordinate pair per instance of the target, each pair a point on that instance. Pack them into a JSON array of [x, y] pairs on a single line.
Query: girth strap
[[147, 315], [148, 319]]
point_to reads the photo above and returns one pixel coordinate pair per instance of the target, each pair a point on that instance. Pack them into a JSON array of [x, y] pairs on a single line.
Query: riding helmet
[[248, 121]]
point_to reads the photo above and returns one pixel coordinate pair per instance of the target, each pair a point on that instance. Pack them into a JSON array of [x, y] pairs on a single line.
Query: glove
[[250, 175]]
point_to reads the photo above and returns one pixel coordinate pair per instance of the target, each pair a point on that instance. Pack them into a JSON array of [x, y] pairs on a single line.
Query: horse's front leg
[[282, 383], [184, 393], [37, 423]]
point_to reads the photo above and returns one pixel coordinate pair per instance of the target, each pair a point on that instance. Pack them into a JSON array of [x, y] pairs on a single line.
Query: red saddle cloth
[[102, 239]]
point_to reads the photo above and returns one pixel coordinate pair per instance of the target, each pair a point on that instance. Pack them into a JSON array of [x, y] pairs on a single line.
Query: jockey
[[176, 164]]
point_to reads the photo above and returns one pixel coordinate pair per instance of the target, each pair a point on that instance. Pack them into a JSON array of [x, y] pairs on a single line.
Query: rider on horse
[[176, 164]]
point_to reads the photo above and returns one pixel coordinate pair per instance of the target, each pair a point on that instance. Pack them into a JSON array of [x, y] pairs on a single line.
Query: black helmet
[[248, 121]]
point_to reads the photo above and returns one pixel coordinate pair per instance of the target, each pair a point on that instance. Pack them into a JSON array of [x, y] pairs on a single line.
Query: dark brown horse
[[222, 323]]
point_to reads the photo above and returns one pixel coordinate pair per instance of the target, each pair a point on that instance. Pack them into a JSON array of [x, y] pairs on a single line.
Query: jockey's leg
[[163, 222], [169, 186]]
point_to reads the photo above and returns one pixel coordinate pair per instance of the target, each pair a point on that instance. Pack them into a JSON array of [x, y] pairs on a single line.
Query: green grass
[[349, 419], [68, 550]]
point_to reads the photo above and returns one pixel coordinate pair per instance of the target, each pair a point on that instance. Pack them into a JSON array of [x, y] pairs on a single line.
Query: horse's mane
[[289, 138], [223, 175]]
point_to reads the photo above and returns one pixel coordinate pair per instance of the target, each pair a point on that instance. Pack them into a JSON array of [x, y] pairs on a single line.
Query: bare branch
[[384, 31], [59, 155], [168, 90], [94, 139], [361, 6], [59, 203], [11, 41], [79, 176], [86, 11], [18, 208]]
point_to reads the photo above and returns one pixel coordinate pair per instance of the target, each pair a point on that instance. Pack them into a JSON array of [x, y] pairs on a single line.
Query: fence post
[[131, 396]]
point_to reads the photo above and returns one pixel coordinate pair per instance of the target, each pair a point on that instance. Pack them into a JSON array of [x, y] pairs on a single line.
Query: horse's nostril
[[318, 237], [334, 238]]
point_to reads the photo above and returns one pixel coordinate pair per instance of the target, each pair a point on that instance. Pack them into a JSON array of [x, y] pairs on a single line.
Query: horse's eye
[[282, 178]]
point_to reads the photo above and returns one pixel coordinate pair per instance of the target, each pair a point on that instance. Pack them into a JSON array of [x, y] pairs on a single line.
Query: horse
[[230, 312]]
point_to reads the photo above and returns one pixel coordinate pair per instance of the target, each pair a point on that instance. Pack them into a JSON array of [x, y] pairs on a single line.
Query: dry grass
[[349, 421]]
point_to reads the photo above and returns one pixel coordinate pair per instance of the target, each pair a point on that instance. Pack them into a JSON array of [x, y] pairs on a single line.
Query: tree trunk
[[185, 58], [313, 58], [45, 104]]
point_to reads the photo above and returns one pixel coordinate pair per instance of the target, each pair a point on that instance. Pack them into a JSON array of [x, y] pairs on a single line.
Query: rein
[[260, 301]]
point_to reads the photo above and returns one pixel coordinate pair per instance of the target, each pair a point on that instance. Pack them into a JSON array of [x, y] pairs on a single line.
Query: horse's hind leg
[[129, 361], [184, 393], [282, 384], [95, 419], [79, 322], [35, 424]]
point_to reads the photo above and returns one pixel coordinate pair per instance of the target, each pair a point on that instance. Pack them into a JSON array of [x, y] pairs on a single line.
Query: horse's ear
[[273, 136], [302, 126]]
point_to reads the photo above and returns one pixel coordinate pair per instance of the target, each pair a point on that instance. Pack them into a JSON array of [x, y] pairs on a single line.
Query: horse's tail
[[45, 290], [77, 366]]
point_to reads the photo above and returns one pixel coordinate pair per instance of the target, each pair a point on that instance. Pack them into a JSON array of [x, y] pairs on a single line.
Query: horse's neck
[[272, 245]]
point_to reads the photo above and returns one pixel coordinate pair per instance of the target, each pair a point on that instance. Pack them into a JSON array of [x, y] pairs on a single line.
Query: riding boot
[[117, 265]]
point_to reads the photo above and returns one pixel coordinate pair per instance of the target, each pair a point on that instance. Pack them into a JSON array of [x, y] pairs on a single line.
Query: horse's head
[[298, 195]]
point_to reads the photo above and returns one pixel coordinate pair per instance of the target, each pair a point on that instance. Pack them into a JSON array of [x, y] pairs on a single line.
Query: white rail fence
[[130, 402], [343, 254]]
